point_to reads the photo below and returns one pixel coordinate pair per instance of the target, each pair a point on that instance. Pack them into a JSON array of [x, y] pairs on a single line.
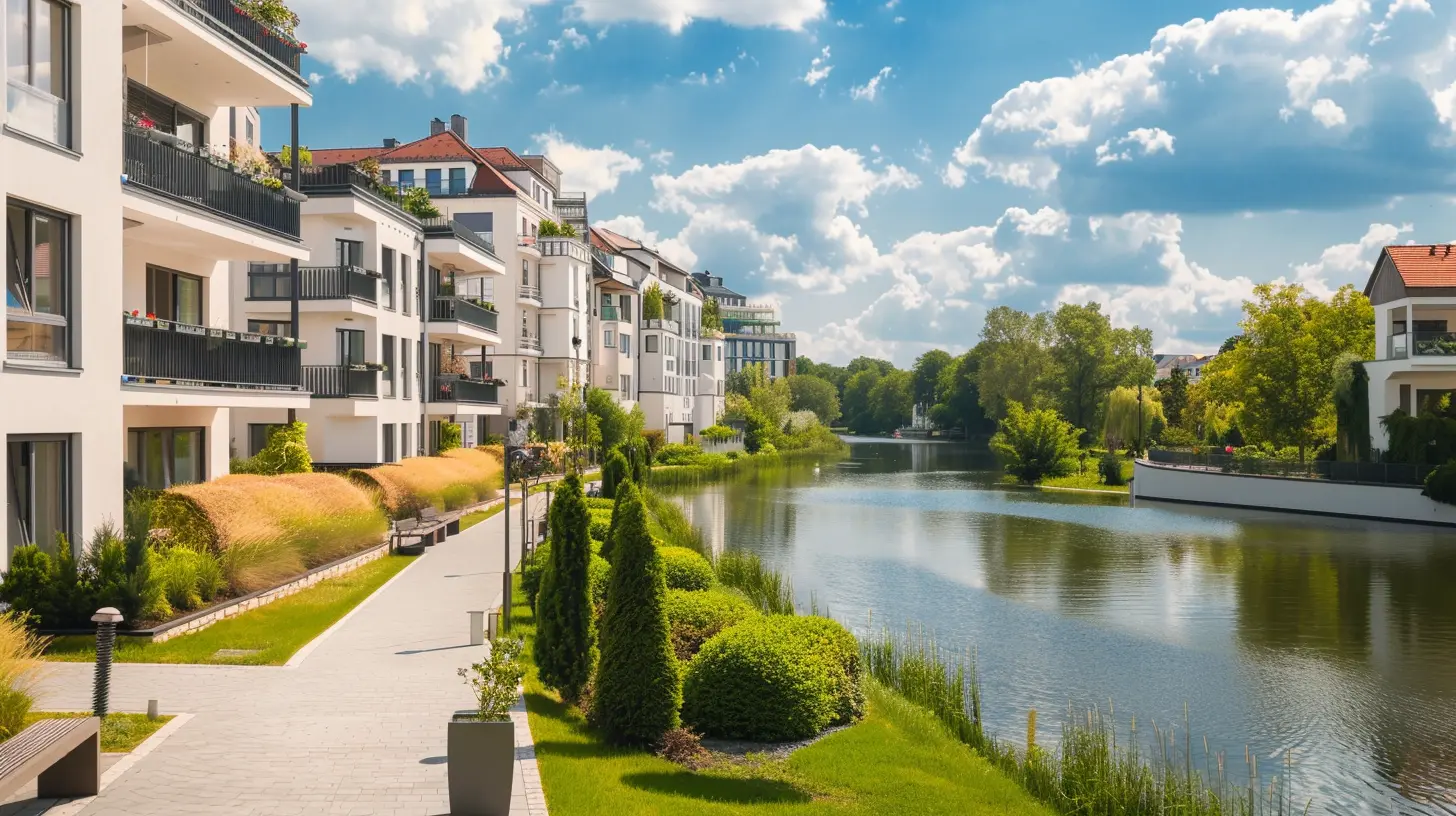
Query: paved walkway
[[357, 726]]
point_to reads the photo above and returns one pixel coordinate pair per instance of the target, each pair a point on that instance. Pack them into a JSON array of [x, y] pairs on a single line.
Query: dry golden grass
[[454, 479], [20, 670]]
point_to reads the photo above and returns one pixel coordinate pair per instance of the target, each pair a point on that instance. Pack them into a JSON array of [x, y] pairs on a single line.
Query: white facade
[[109, 216], [1415, 350]]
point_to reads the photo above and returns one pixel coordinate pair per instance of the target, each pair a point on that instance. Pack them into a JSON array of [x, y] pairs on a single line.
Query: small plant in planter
[[482, 741]]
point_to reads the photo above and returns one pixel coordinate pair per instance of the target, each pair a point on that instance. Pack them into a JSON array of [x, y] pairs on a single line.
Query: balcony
[[530, 343], [272, 282], [529, 295], [155, 162], [159, 352], [610, 314], [345, 179], [447, 241], [469, 392], [459, 310], [341, 382], [450, 228], [1421, 344], [664, 325], [564, 248]]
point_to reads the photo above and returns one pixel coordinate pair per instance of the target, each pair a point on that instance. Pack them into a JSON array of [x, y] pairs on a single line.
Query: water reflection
[[1331, 640]]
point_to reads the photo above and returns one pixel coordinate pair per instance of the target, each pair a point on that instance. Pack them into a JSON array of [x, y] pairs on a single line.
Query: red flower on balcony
[[135, 313], [151, 316]]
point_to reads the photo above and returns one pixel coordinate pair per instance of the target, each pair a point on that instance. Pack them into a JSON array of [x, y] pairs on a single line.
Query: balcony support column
[[293, 180]]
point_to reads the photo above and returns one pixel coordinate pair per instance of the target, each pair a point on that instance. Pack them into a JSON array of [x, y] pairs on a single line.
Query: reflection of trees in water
[[1300, 598], [1039, 558], [755, 514]]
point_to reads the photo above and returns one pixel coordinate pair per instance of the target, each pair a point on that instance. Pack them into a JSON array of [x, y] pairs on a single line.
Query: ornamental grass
[[450, 481]]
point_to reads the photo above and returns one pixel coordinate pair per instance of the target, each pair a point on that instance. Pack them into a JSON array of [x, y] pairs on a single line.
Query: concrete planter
[[482, 758]]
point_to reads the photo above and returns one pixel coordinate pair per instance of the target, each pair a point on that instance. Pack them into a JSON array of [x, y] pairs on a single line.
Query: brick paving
[[356, 725]]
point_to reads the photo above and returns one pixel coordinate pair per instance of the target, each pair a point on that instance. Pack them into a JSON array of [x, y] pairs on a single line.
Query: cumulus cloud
[[675, 15], [1347, 263], [591, 170], [870, 90], [1150, 140], [570, 38], [819, 69], [558, 89]]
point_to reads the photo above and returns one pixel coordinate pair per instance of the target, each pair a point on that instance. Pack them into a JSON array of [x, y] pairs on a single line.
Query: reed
[[714, 467], [767, 588], [667, 521]]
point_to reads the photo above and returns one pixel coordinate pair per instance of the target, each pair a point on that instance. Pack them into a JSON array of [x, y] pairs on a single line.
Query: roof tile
[[1424, 267]]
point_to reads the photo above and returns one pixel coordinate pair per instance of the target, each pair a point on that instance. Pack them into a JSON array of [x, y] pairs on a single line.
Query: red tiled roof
[[345, 155], [446, 146], [503, 157], [616, 242], [440, 147], [1424, 267]]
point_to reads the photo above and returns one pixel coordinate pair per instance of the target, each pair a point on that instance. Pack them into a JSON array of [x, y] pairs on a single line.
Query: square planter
[[482, 762]]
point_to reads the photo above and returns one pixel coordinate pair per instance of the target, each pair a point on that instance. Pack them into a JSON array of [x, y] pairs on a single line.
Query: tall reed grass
[[20, 670], [450, 481], [667, 521], [768, 589]]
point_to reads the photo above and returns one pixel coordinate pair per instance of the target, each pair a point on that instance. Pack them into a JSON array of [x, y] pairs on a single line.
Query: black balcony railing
[[463, 311], [225, 17], [1378, 473], [341, 382], [271, 282], [473, 392], [204, 182], [165, 353], [345, 179], [450, 228]]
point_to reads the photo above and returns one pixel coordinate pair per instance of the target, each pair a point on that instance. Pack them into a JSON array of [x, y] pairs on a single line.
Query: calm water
[[1332, 640]]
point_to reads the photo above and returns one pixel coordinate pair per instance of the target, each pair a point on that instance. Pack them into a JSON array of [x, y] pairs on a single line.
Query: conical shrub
[[615, 471], [638, 689], [565, 647], [609, 544]]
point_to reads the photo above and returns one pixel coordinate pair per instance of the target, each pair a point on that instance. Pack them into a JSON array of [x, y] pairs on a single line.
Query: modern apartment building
[[751, 332], [125, 213]]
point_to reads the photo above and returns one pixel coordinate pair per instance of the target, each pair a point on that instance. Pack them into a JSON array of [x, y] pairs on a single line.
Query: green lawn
[[1088, 481], [898, 760], [120, 733], [274, 632]]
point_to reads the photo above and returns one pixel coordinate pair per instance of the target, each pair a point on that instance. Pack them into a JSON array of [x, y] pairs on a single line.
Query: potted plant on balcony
[[481, 743], [368, 367]]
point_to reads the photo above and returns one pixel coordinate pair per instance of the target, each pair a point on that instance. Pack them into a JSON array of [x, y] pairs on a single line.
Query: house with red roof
[[1413, 290]]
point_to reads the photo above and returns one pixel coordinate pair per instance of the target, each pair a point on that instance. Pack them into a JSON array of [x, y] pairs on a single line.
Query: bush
[[28, 585], [656, 441], [767, 449], [677, 454], [532, 570], [718, 433], [686, 569], [598, 577], [1109, 467], [1034, 445], [599, 529], [177, 571], [409, 485], [286, 452], [609, 543], [638, 690], [1441, 484], [681, 746], [450, 437], [614, 471], [596, 504], [693, 617], [20, 665], [565, 645], [1175, 437], [773, 679]]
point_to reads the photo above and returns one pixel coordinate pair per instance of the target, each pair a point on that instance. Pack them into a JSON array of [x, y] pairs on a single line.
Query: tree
[[1034, 445], [1174, 390], [449, 438], [892, 400], [1230, 344], [928, 368], [652, 302], [612, 421], [1013, 359], [611, 541], [772, 400], [638, 690], [747, 378], [711, 321], [416, 201], [837, 375], [565, 647], [858, 410], [1090, 358], [812, 393], [958, 397], [1121, 428], [552, 229], [615, 471]]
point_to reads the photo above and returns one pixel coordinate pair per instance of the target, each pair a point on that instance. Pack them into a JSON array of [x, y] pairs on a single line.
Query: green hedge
[[1441, 484], [774, 679], [694, 617], [686, 569]]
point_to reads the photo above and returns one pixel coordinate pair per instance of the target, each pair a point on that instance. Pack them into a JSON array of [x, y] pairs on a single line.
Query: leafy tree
[[837, 375], [772, 400], [1352, 409], [1174, 390], [1120, 428], [1013, 359], [1230, 344], [892, 400], [638, 689], [449, 439], [1090, 358], [416, 201], [286, 452], [859, 364], [711, 320], [552, 229], [928, 368], [1034, 445], [812, 393], [565, 647], [858, 409], [615, 471], [958, 397], [652, 302], [612, 421], [747, 378]]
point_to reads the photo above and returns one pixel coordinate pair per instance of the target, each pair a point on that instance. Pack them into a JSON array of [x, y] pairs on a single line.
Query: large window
[[162, 457], [351, 346], [388, 361], [432, 181], [38, 68], [406, 179], [37, 290], [457, 181], [175, 296], [349, 253], [389, 455], [38, 497], [387, 262]]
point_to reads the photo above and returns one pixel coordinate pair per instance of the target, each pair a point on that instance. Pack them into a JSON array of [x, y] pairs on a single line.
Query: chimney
[[437, 126], [460, 126], [391, 143], [1433, 250]]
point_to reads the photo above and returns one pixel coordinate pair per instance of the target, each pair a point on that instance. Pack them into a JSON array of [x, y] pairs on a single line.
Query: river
[[1327, 641]]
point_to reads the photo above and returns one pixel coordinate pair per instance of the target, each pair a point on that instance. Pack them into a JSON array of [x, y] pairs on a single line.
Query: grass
[[712, 467], [1086, 481], [768, 589], [274, 631], [120, 733], [900, 759]]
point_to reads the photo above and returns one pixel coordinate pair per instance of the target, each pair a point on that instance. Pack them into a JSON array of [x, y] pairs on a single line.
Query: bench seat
[[62, 755]]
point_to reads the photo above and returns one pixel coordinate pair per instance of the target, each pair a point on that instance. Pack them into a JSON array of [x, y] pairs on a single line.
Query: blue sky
[[890, 170]]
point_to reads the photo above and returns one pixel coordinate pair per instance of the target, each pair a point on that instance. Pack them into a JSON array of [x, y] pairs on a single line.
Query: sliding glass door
[[162, 457], [38, 504]]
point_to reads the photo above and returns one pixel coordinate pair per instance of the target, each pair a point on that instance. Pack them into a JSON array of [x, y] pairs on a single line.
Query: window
[[258, 433], [525, 375], [162, 457], [175, 296], [38, 67], [404, 284], [273, 328], [432, 181], [404, 366], [626, 301], [649, 344], [38, 498], [351, 346], [720, 354], [269, 282], [404, 440], [37, 285], [349, 253], [387, 271], [248, 131], [525, 272], [388, 361], [626, 385], [708, 352], [406, 179], [388, 440], [387, 176], [607, 339], [626, 343], [457, 181]]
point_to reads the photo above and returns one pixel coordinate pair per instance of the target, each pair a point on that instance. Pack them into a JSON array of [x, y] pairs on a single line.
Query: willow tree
[[1121, 427]]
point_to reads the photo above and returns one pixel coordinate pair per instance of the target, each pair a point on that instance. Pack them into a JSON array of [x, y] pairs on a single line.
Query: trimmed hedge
[[1441, 484], [614, 471], [694, 617], [686, 569], [774, 679], [599, 575]]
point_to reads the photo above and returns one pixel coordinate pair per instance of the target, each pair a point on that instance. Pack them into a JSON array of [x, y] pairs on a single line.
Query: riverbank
[[722, 467]]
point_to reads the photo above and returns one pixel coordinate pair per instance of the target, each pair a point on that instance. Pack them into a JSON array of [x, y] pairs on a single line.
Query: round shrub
[[599, 529], [696, 616], [1441, 484], [1109, 467], [677, 454], [761, 681], [686, 569]]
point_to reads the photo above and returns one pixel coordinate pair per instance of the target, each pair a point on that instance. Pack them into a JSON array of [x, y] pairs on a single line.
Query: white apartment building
[[1413, 290], [122, 357], [616, 303]]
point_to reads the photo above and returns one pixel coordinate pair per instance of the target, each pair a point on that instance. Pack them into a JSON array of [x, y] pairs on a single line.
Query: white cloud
[[570, 38], [1327, 113], [675, 15], [558, 89], [703, 79], [819, 69], [1151, 140], [662, 158], [870, 90], [591, 170], [1348, 263], [314, 78]]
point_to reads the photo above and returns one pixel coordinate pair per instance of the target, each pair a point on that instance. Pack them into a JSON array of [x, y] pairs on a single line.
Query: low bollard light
[[154, 709], [106, 620], [477, 628], [493, 626]]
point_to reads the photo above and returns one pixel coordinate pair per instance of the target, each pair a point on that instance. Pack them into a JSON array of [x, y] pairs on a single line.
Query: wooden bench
[[430, 527], [63, 756]]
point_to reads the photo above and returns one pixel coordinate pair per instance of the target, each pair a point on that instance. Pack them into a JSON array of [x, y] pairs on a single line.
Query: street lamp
[[515, 439]]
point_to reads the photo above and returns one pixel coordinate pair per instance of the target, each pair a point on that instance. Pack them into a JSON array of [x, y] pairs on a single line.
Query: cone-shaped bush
[[609, 544], [638, 690], [614, 471], [565, 647]]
